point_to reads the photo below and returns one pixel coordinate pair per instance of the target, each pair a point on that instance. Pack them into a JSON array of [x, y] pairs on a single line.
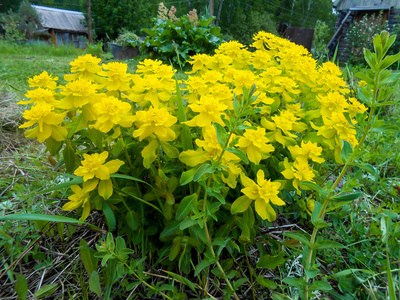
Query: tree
[[111, 16], [6, 5]]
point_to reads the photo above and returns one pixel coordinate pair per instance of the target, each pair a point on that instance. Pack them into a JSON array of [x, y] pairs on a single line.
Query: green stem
[[128, 158], [148, 285], [251, 273]]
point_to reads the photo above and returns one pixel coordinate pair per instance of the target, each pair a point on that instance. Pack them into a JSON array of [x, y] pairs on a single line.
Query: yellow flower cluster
[[300, 115]]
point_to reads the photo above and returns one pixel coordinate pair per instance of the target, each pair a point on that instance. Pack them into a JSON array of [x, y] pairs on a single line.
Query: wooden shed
[[354, 10], [66, 27]]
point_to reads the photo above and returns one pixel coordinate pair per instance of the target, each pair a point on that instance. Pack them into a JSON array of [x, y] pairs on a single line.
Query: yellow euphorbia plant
[[195, 157]]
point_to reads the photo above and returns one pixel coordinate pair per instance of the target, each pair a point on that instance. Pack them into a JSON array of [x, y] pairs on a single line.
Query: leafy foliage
[[176, 39]]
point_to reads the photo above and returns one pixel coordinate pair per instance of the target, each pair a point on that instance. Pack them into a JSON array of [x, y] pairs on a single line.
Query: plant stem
[[251, 274]]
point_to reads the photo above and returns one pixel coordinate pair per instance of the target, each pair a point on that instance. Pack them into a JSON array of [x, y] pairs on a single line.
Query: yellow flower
[[43, 80], [40, 95], [78, 199], [210, 110], [78, 93], [47, 121], [94, 166], [157, 121], [151, 88], [86, 67], [307, 151], [263, 192], [110, 112], [299, 170], [255, 144], [117, 78]]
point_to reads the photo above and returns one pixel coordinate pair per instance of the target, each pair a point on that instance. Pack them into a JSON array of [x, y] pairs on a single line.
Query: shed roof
[[61, 19], [367, 4]]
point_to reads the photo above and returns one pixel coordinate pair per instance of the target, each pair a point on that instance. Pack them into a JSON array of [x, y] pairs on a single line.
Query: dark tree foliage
[[6, 5], [111, 16]]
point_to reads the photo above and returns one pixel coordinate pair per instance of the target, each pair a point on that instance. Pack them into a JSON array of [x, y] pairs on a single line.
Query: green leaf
[[170, 230], [346, 151], [348, 197], [76, 180], [118, 147], [301, 237], [388, 61], [271, 262], [53, 146], [269, 284], [203, 169], [183, 280], [366, 167], [311, 186], [69, 158], [132, 219], [385, 127], [109, 214], [94, 283], [240, 204], [320, 286], [222, 135], [203, 264], [296, 282], [21, 287], [49, 218], [186, 206], [46, 290], [187, 223], [327, 244], [187, 176], [123, 176], [239, 153], [169, 150], [87, 257]]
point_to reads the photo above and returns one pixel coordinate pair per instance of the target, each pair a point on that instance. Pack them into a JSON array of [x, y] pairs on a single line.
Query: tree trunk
[[89, 21], [219, 12], [211, 9]]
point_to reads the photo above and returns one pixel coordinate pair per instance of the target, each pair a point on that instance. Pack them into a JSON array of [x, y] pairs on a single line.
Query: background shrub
[[361, 34], [177, 39]]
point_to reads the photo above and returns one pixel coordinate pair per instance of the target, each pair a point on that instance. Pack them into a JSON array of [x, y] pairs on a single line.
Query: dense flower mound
[[247, 124]]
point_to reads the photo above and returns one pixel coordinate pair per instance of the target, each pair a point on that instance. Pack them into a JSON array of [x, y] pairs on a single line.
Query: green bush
[[177, 39], [322, 35], [128, 39]]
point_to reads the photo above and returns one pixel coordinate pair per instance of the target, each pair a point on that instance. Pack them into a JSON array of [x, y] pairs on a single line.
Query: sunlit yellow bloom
[[199, 61], [94, 166], [40, 95], [307, 151], [154, 120], [80, 198], [210, 110], [47, 123], [151, 88], [43, 80], [212, 147], [111, 112], [255, 144], [333, 102], [299, 170], [78, 93], [94, 170], [117, 78], [263, 192], [86, 67]]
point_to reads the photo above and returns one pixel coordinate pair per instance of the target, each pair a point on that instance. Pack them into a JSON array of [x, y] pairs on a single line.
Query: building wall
[[77, 40]]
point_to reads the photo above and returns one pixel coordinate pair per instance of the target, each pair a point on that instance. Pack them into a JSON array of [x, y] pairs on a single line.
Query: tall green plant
[[176, 39]]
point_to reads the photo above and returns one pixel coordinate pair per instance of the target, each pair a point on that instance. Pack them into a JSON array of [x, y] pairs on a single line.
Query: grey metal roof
[[61, 19]]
